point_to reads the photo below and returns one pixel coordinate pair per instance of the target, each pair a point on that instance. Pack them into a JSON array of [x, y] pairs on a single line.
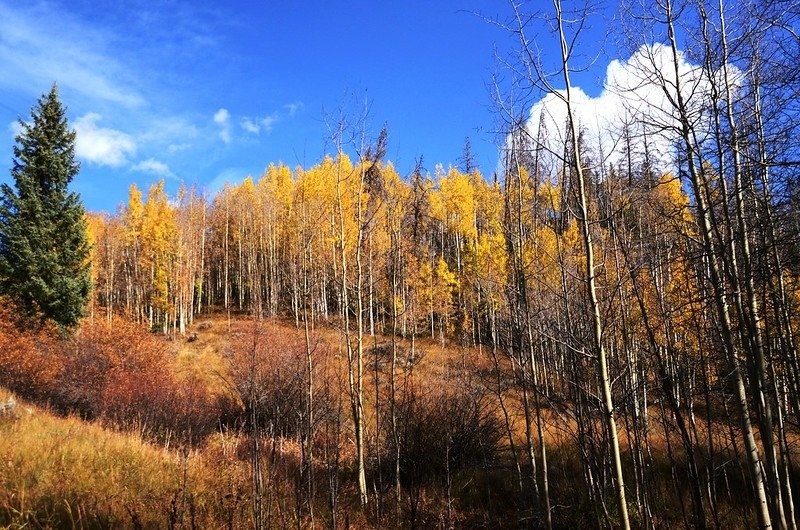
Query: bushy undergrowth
[[443, 431], [268, 393], [270, 377], [114, 371], [28, 363]]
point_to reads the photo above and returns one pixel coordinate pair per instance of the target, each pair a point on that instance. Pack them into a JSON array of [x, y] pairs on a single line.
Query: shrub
[[115, 371], [270, 365], [28, 366], [444, 431], [120, 372]]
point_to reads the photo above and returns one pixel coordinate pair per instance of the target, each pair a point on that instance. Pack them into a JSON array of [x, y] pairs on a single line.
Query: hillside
[[462, 444], [62, 472], [236, 291]]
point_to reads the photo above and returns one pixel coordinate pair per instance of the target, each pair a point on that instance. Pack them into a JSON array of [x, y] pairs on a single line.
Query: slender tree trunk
[[597, 323], [720, 301]]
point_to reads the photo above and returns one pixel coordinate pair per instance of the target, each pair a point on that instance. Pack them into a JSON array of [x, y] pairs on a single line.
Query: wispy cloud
[[102, 146], [256, 125], [269, 121], [38, 47], [154, 167], [177, 148], [168, 130], [294, 108], [120, 73], [42, 42], [250, 126], [15, 127]]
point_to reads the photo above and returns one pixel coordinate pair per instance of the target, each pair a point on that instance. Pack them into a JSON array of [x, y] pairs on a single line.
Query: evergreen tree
[[44, 251]]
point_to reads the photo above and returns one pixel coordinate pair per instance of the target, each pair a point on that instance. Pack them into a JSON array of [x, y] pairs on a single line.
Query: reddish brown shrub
[[117, 371], [121, 372], [113, 369], [270, 372], [27, 364]]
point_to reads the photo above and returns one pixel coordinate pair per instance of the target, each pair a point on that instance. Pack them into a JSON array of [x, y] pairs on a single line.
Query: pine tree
[[44, 265]]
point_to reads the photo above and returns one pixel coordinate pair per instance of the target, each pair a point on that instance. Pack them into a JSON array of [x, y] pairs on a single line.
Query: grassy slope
[[64, 472]]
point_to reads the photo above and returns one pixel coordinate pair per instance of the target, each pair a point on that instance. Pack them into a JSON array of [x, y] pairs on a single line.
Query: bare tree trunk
[[354, 352], [583, 219], [699, 186]]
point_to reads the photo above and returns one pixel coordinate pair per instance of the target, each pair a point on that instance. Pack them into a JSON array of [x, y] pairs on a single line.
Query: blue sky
[[204, 92]]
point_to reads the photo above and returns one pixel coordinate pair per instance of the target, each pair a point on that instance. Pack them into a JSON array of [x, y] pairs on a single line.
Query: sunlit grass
[[64, 472]]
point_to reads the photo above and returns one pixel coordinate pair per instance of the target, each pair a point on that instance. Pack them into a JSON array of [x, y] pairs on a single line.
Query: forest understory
[[164, 437]]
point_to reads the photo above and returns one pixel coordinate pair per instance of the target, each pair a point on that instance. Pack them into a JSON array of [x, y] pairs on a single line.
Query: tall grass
[[67, 473]]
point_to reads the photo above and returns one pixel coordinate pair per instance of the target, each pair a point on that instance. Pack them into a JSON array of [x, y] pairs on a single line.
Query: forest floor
[[58, 471]]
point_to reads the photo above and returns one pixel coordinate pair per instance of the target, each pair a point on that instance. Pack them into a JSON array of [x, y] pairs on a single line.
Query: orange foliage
[[26, 364], [116, 371], [121, 372]]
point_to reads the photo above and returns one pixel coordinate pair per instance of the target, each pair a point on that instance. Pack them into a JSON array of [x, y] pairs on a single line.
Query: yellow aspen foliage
[[314, 202], [95, 227], [159, 236], [134, 215], [487, 259], [458, 202], [488, 205], [542, 256], [95, 236], [277, 184], [345, 179], [246, 191], [671, 201], [444, 284], [548, 198], [275, 190]]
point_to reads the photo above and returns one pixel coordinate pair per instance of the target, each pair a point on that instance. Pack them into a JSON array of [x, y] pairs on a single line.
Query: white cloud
[[294, 108], [177, 148], [256, 125], [15, 127], [154, 167], [99, 145], [250, 126], [223, 118], [632, 88], [268, 122], [97, 74]]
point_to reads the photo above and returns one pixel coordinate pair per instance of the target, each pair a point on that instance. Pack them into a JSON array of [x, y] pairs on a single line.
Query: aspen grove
[[601, 331]]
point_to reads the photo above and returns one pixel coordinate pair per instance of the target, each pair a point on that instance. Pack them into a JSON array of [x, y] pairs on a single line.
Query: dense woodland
[[623, 331]]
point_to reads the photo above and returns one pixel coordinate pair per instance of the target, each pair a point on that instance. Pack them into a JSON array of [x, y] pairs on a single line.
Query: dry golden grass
[[203, 360], [67, 473]]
